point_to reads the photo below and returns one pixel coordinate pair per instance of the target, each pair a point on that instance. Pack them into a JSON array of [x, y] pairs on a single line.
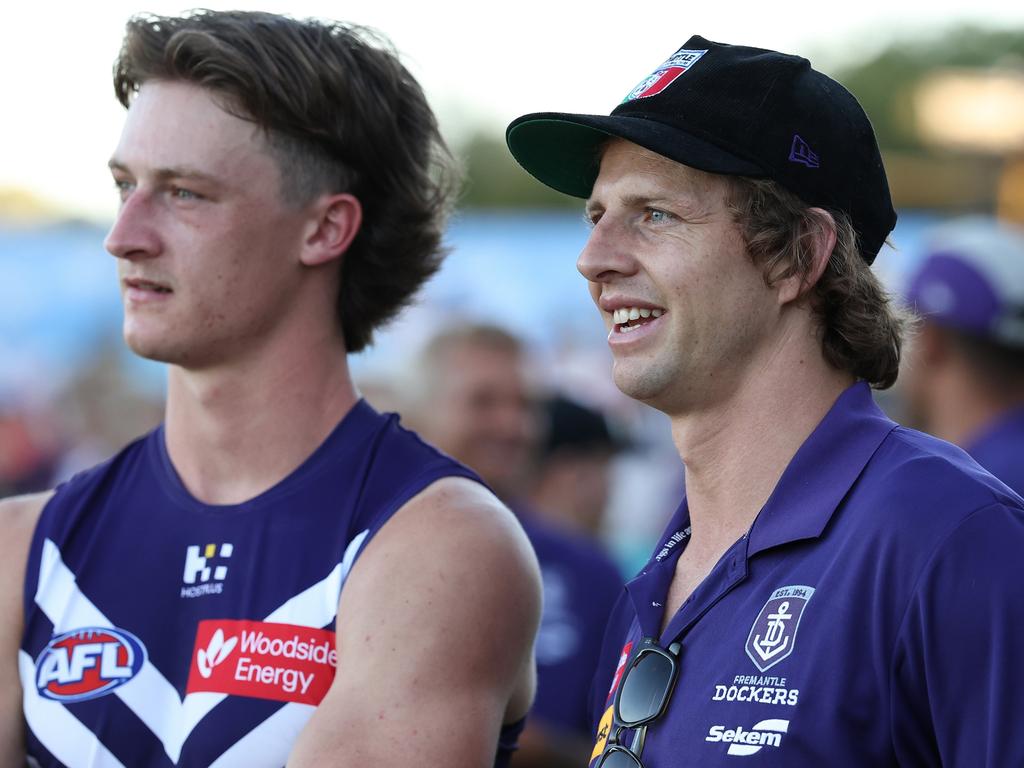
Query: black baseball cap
[[578, 429], [731, 110]]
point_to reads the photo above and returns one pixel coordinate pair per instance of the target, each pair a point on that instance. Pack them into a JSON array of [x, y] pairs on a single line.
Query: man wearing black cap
[[834, 589], [571, 481]]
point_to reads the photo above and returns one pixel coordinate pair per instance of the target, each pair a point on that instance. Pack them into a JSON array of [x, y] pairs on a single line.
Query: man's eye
[[657, 216], [184, 194], [123, 188]]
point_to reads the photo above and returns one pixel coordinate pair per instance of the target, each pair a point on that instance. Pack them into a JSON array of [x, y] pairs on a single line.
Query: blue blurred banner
[[59, 297]]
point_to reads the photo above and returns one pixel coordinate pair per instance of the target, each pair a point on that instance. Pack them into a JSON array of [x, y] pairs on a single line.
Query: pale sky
[[480, 63]]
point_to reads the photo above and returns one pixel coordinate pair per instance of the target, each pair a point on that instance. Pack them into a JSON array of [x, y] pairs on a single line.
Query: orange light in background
[[1010, 197], [973, 110]]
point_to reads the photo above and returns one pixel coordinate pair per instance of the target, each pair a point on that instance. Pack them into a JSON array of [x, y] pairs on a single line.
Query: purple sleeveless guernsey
[[161, 631]]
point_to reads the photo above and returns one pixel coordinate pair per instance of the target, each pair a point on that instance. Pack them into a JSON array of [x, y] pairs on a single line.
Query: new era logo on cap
[[800, 152]]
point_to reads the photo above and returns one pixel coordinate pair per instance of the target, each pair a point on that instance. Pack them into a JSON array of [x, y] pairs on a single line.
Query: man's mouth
[[627, 319], [147, 285]]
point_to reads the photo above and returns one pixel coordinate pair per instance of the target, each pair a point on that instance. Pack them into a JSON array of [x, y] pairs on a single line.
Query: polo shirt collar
[[810, 490], [822, 471]]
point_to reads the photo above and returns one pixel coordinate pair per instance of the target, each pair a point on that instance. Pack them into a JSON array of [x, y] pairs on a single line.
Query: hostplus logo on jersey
[[744, 742], [203, 564]]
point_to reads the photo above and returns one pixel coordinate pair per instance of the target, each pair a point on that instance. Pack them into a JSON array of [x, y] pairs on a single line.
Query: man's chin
[[150, 349], [638, 385]]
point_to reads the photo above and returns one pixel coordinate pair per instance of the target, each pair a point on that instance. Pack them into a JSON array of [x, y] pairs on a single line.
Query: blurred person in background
[[572, 467], [834, 589], [29, 450], [472, 398], [278, 573], [964, 377]]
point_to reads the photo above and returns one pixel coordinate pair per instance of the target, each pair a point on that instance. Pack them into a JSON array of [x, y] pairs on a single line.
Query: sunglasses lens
[[619, 758], [644, 688]]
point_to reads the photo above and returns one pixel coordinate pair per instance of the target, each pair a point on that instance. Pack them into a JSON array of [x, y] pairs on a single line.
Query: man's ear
[[820, 237], [335, 222]]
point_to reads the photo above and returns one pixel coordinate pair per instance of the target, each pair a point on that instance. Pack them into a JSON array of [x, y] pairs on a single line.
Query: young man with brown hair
[[278, 573]]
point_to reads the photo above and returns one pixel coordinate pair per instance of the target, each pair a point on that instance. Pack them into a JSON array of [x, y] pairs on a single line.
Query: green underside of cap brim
[[563, 150], [565, 156]]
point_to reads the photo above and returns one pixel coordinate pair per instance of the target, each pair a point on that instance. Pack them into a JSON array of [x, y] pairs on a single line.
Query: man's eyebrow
[[657, 198], [172, 172], [630, 201]]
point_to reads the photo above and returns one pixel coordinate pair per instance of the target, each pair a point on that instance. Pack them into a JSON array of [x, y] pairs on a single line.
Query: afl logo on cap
[[89, 662]]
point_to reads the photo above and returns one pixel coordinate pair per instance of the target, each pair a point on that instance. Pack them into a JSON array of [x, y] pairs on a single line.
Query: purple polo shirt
[[999, 448], [873, 616]]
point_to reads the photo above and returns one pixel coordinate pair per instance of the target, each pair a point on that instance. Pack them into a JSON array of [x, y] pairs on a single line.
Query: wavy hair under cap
[[862, 331]]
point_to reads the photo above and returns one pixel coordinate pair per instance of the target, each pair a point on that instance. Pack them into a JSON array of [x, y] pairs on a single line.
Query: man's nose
[[133, 234]]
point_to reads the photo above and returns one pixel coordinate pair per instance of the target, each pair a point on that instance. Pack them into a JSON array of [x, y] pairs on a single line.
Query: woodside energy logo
[[264, 660]]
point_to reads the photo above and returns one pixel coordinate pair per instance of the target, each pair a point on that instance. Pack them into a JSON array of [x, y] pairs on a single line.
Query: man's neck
[[235, 431], [736, 449]]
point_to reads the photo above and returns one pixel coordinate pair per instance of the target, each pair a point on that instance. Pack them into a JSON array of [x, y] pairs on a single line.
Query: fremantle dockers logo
[[773, 635]]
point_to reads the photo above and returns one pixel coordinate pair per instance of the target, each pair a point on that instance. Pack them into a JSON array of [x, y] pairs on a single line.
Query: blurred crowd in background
[[503, 361]]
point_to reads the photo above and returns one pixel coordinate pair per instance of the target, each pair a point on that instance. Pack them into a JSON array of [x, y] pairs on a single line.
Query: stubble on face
[[666, 236], [201, 214]]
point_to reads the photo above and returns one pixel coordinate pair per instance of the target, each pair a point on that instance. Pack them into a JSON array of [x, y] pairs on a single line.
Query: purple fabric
[[124, 530], [999, 448], [871, 617]]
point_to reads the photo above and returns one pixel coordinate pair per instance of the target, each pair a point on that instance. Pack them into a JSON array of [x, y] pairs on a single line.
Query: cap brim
[[562, 150]]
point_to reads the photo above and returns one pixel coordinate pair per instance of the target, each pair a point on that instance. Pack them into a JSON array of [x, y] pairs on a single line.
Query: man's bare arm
[[18, 518], [435, 638]]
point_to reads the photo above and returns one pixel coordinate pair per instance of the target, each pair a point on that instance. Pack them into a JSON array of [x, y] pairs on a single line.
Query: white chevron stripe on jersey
[[270, 742], [149, 695], [318, 605], [64, 735]]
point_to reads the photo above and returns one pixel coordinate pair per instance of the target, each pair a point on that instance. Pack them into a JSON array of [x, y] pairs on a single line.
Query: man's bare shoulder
[[460, 516], [437, 616], [18, 518], [19, 514]]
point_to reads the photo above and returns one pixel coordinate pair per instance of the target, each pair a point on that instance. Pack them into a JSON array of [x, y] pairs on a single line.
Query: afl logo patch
[[665, 75], [87, 663]]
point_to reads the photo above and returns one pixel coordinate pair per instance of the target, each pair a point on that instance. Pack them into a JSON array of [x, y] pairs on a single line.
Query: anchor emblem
[[775, 641], [773, 633]]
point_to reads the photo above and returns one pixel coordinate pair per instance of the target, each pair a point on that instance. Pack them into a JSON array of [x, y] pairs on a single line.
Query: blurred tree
[[495, 180], [885, 84]]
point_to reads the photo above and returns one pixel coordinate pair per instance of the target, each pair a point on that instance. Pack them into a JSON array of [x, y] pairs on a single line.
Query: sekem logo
[[743, 743], [87, 663]]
